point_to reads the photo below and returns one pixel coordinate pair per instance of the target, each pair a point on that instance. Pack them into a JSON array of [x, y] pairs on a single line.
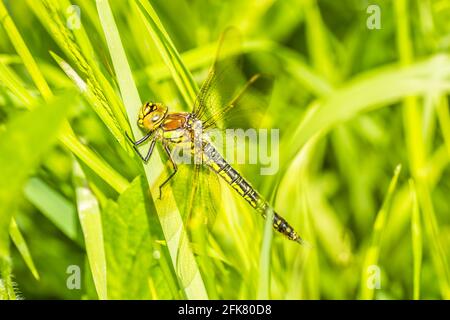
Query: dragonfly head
[[152, 115]]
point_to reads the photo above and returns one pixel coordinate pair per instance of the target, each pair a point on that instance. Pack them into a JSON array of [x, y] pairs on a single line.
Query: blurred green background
[[361, 100]]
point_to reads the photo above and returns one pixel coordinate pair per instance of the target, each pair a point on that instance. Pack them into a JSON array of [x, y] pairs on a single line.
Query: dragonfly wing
[[207, 197], [227, 95], [216, 89], [196, 192], [248, 106]]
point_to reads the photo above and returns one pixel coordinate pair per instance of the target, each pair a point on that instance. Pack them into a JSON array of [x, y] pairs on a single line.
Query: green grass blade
[[444, 120], [91, 224], [7, 291], [21, 245], [72, 74], [304, 277], [127, 244], [183, 79], [373, 252], [92, 160], [9, 59], [304, 74], [310, 276], [411, 112], [54, 206], [432, 232], [264, 263], [10, 80], [128, 90], [416, 238], [317, 39], [170, 218]]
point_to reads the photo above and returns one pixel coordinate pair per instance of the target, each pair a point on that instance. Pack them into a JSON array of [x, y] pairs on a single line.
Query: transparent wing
[[217, 88], [227, 98], [197, 190]]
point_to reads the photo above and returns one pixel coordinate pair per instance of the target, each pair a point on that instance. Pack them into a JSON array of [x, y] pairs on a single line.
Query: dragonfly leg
[[140, 141], [150, 151], [175, 169]]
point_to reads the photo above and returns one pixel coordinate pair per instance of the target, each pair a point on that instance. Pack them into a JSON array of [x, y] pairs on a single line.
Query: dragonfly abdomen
[[219, 165]]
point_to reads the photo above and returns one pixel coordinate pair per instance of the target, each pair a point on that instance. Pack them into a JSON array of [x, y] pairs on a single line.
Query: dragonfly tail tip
[[303, 242]]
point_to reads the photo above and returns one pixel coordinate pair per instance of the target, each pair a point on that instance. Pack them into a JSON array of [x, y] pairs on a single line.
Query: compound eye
[[156, 118]]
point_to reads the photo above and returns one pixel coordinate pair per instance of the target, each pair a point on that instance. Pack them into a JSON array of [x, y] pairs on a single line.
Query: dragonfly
[[219, 95]]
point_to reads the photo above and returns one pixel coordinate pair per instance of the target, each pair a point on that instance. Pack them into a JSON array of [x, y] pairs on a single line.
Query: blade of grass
[[306, 272], [6, 285], [264, 262], [183, 79], [438, 254], [444, 120], [9, 59], [128, 245], [93, 161], [73, 75], [168, 213], [306, 76], [411, 113], [54, 206], [416, 238], [310, 275], [91, 224], [21, 245], [318, 43], [373, 252], [9, 78]]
